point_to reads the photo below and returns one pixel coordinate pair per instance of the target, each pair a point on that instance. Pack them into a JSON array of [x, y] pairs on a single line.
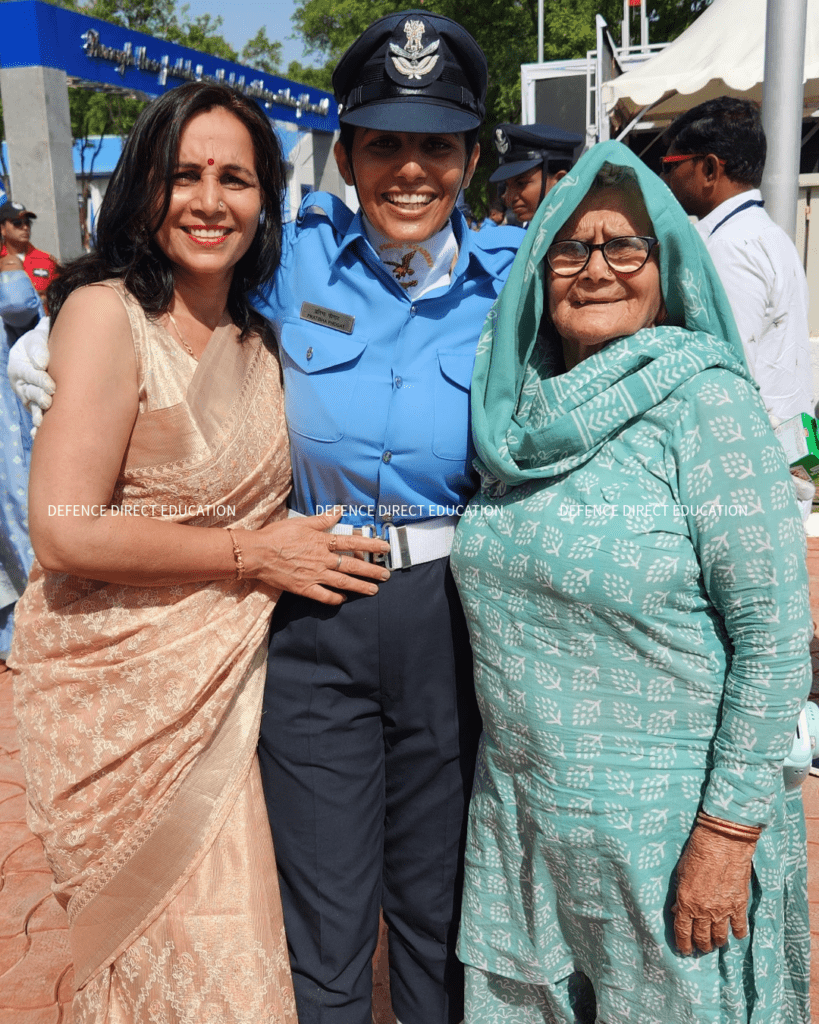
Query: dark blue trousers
[[367, 751]]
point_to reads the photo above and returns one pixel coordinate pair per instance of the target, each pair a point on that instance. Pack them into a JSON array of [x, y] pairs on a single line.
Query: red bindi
[[210, 161]]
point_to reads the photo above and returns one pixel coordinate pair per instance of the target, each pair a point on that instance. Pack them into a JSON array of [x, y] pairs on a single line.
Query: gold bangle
[[237, 555], [729, 829]]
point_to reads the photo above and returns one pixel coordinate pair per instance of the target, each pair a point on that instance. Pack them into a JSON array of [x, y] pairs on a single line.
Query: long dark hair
[[139, 197]]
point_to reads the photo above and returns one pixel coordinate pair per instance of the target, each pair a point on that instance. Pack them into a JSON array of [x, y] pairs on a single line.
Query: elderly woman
[[634, 579]]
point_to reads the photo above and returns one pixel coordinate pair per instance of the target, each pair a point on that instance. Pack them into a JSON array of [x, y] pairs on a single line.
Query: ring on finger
[[338, 563]]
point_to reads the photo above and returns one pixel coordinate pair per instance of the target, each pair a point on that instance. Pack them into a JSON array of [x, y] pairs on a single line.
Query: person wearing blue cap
[[532, 158], [370, 730]]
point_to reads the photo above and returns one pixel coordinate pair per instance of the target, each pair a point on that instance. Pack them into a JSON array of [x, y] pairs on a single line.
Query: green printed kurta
[[633, 573]]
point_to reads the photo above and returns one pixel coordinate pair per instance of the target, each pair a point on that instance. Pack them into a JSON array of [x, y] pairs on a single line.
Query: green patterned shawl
[[527, 423]]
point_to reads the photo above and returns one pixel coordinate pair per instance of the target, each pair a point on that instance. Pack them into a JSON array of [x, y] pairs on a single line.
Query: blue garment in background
[[19, 309]]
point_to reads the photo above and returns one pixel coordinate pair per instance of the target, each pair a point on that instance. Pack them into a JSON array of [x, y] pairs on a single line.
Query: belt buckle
[[403, 546]]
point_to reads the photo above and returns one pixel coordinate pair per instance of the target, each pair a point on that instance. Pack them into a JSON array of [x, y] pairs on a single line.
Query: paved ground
[[35, 964]]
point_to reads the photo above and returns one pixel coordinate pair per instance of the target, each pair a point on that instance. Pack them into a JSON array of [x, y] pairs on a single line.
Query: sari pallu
[[138, 711]]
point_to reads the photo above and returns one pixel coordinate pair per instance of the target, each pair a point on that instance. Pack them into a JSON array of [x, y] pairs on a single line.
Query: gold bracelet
[[729, 829], [237, 555]]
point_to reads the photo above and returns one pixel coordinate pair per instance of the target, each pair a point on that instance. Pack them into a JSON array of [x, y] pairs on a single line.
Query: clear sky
[[243, 18]]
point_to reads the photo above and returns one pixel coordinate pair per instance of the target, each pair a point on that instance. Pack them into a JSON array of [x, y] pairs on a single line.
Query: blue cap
[[412, 72], [521, 147]]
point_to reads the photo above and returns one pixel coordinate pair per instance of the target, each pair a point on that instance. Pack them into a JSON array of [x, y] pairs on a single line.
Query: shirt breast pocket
[[451, 437], [320, 372]]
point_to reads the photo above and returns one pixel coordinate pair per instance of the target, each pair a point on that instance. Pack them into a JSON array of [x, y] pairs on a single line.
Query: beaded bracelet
[[237, 555], [729, 829]]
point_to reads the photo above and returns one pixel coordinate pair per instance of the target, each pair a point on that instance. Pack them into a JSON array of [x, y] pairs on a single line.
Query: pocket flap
[[314, 348], [457, 367]]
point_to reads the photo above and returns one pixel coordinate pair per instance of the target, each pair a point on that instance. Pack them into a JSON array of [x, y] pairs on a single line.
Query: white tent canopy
[[722, 53]]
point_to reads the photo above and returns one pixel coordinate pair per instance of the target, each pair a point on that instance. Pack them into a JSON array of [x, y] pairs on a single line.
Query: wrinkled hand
[[299, 556], [712, 891], [28, 360]]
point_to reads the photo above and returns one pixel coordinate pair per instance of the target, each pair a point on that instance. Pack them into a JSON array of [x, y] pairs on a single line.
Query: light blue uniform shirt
[[379, 417]]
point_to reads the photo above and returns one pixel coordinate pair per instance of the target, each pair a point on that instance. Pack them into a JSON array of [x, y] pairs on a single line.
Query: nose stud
[[221, 205]]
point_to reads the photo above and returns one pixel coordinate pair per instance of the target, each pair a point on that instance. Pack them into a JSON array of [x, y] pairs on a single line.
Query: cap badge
[[414, 61], [501, 141]]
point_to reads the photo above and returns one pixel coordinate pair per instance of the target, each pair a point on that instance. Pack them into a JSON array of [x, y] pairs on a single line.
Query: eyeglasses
[[20, 222], [679, 158], [625, 255]]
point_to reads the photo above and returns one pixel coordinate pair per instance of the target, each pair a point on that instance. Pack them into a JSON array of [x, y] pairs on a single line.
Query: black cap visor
[[411, 114], [506, 171]]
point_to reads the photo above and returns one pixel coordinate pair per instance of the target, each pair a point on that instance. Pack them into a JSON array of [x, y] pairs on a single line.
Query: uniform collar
[[351, 229], [708, 223]]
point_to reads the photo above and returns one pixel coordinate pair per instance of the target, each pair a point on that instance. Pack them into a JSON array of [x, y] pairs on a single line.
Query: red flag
[[634, 3]]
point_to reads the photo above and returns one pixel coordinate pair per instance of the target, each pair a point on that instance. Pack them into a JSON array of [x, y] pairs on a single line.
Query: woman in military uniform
[[369, 736]]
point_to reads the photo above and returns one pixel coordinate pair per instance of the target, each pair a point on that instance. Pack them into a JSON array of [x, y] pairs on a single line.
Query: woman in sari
[[157, 515], [634, 578]]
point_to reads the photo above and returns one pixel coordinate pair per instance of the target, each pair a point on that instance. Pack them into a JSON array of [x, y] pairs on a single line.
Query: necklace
[[185, 345]]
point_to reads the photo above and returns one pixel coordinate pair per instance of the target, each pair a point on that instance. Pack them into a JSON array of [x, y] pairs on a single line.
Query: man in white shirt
[[716, 155]]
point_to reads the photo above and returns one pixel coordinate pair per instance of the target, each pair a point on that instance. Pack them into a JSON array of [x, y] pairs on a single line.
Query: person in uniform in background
[[19, 310], [370, 728], [15, 229], [714, 164], [532, 158], [495, 215]]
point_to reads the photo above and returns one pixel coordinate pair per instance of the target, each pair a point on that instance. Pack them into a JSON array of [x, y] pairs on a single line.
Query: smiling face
[[595, 306], [407, 182], [216, 200]]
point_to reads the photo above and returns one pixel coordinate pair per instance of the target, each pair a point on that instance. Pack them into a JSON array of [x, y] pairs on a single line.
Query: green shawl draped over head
[[530, 424]]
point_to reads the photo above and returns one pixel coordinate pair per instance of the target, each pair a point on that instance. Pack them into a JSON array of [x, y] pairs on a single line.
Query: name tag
[[327, 317]]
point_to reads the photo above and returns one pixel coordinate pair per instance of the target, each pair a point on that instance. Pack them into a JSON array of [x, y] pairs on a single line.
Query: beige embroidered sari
[[139, 711]]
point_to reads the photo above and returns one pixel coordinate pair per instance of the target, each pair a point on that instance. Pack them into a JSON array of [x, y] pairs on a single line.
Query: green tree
[[318, 78], [201, 33], [155, 17], [262, 53]]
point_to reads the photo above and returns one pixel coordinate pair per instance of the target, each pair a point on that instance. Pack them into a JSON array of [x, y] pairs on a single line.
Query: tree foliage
[[165, 19], [263, 53]]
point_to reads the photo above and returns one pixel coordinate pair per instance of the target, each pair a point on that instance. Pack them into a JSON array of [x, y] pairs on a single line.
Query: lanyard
[[739, 209]]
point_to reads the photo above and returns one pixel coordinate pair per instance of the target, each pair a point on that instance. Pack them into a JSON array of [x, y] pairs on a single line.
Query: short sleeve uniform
[[376, 383]]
